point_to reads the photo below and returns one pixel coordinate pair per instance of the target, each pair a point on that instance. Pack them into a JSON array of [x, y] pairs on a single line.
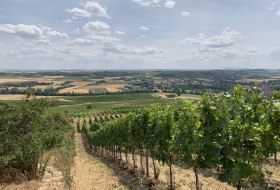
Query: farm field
[[82, 98], [174, 96], [4, 97], [101, 82], [139, 95], [85, 88], [77, 105]]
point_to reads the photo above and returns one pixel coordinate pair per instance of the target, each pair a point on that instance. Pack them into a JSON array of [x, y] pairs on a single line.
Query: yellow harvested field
[[183, 96], [19, 96], [42, 86], [4, 80], [189, 97], [22, 96], [12, 96], [46, 86], [75, 89], [56, 86], [41, 80], [109, 88], [86, 89]]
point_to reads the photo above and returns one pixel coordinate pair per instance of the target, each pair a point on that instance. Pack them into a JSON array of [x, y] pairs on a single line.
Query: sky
[[139, 34]]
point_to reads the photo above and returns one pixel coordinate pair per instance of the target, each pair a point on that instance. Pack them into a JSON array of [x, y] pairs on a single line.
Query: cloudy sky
[[139, 34]]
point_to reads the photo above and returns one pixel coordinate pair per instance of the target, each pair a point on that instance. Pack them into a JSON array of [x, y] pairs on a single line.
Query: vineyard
[[233, 135], [104, 115]]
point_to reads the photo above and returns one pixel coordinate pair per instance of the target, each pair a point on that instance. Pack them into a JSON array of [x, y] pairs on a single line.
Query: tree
[[27, 132]]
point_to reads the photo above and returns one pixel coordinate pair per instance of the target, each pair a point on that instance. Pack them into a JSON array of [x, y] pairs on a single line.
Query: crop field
[[174, 96], [46, 81], [121, 119], [86, 104], [74, 89], [8, 97], [4, 80], [85, 87]]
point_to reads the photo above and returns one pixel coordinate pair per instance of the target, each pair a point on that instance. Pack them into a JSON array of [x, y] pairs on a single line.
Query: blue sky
[[139, 34]]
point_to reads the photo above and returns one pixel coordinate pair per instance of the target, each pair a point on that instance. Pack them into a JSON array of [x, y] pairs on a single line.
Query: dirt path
[[91, 173]]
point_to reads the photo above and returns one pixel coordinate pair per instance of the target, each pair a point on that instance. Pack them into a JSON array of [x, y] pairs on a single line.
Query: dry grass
[[29, 185]]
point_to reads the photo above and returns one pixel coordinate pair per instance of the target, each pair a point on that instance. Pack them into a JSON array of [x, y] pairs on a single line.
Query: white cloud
[[124, 49], [143, 36], [146, 50], [25, 31], [95, 40], [90, 9], [58, 34], [96, 26], [278, 12], [185, 13], [76, 31], [81, 41], [144, 28], [169, 4], [43, 42], [272, 6], [119, 33], [96, 9], [52, 33], [68, 21], [78, 12], [31, 31], [147, 3], [226, 39]]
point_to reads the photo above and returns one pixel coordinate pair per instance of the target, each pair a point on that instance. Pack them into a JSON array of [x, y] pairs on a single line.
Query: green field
[[80, 104]]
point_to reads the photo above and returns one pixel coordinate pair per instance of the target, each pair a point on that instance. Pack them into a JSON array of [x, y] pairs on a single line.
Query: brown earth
[[91, 173]]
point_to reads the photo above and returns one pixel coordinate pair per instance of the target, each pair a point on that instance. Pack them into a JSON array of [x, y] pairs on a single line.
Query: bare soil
[[93, 173]]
